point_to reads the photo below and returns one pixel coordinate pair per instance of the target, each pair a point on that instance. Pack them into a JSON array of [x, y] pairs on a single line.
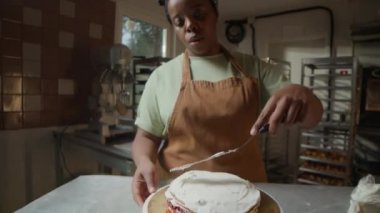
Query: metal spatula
[[182, 168]]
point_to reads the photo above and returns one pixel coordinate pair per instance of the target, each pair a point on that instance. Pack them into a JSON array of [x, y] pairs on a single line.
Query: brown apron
[[209, 117]]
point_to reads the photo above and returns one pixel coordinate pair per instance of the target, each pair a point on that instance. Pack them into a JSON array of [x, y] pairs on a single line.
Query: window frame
[[147, 11]]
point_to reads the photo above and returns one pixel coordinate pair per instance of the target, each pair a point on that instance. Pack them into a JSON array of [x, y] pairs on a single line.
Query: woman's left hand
[[291, 104]]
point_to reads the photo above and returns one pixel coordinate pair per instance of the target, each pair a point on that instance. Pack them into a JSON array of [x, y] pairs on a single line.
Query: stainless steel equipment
[[116, 89], [325, 151]]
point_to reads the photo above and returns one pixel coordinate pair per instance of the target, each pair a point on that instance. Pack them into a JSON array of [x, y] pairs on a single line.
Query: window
[[144, 39]]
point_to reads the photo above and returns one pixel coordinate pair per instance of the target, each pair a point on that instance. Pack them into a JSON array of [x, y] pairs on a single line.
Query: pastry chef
[[207, 100]]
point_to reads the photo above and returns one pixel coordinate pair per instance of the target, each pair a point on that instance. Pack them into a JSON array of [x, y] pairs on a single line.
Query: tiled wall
[[45, 69]]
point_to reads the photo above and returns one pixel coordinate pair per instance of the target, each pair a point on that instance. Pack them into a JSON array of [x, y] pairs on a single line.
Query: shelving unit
[[142, 68], [325, 151]]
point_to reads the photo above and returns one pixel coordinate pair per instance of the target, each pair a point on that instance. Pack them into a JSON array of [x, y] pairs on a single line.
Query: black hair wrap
[[165, 4], [162, 2]]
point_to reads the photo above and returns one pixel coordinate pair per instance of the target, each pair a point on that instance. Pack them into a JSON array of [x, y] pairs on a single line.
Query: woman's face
[[194, 22]]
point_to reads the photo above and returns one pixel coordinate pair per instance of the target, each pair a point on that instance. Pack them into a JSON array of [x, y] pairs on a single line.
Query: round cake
[[202, 191]]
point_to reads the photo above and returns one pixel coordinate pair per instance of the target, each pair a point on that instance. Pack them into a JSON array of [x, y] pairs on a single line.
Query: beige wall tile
[[31, 68], [12, 85], [10, 29], [96, 31], [66, 87], [12, 12], [49, 38], [12, 120], [50, 103], [12, 103], [66, 39], [32, 17], [49, 119], [49, 86], [32, 103], [50, 20], [11, 47], [31, 51], [67, 8], [67, 24], [11, 66], [31, 119], [31, 86], [51, 6], [32, 34]]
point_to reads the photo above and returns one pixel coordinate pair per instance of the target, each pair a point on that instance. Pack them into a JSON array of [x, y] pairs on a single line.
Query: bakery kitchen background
[[72, 73]]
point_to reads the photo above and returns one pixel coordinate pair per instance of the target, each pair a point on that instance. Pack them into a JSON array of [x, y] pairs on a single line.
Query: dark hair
[[165, 3]]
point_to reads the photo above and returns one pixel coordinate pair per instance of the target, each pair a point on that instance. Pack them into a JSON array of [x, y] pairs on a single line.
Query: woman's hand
[[144, 181], [291, 104], [144, 152]]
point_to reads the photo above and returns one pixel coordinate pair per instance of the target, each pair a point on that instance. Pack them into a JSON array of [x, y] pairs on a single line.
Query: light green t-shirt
[[161, 90]]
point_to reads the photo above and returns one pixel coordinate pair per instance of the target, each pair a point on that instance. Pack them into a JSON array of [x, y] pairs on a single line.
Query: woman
[[207, 100]]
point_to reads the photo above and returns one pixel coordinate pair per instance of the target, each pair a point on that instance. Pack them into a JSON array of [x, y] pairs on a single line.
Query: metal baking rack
[[325, 151], [142, 69]]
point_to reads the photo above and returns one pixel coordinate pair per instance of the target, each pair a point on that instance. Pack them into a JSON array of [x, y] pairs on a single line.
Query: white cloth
[[365, 198]]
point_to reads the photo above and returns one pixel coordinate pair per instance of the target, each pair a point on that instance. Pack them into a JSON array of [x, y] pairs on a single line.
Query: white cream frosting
[[202, 191]]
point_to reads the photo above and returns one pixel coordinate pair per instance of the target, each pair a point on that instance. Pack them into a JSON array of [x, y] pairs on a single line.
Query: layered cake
[[202, 191]]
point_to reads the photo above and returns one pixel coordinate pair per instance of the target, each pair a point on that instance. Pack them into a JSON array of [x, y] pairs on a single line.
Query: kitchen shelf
[[345, 62], [142, 69], [335, 125], [337, 112], [322, 161], [327, 75], [322, 136], [330, 143], [337, 100], [329, 88], [326, 145], [326, 66], [341, 176], [319, 179], [310, 182], [330, 149], [325, 140]]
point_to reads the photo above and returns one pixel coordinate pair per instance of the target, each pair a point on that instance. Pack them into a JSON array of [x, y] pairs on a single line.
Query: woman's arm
[[145, 146], [144, 153]]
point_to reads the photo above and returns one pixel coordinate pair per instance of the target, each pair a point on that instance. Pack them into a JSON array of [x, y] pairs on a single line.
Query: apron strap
[[186, 73]]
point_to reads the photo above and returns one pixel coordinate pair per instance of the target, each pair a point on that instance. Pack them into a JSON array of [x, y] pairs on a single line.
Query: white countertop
[[106, 193], [88, 194]]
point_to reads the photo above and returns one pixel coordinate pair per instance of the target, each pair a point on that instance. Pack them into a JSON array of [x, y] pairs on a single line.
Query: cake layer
[[202, 191]]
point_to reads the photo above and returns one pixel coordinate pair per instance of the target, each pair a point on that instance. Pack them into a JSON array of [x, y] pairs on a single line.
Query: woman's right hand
[[145, 181]]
